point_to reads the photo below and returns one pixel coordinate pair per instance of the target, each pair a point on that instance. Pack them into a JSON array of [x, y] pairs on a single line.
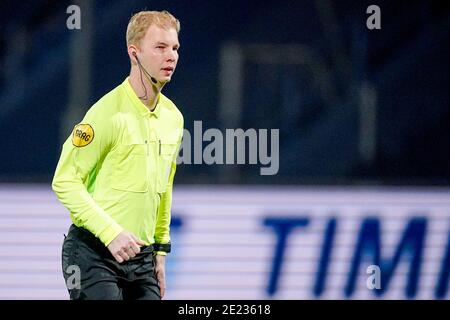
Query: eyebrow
[[165, 44]]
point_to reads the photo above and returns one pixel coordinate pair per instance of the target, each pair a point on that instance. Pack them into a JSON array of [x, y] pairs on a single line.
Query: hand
[[125, 246], [160, 272]]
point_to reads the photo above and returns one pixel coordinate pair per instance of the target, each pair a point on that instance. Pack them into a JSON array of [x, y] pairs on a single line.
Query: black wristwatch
[[165, 247]]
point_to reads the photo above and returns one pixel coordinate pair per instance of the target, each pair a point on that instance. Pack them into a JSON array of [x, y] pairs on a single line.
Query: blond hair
[[141, 21]]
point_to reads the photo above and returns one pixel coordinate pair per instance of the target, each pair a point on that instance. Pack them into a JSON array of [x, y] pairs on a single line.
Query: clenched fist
[[125, 246]]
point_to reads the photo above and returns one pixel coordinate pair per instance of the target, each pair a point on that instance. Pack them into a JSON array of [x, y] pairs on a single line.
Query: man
[[116, 172]]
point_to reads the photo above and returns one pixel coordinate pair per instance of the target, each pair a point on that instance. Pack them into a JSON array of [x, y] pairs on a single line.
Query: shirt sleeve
[[162, 232], [81, 157]]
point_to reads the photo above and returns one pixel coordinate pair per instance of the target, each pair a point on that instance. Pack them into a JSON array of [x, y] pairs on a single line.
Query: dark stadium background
[[406, 63]]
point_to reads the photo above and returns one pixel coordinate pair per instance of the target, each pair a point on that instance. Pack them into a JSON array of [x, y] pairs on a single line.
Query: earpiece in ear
[[135, 56]]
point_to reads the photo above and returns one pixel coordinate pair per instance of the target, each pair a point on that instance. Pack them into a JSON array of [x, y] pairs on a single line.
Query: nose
[[172, 56]]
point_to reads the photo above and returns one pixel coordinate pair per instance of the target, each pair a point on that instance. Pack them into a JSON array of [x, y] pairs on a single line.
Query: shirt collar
[[140, 107]]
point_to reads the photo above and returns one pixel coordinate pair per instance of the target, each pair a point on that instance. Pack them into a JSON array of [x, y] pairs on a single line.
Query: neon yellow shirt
[[116, 169]]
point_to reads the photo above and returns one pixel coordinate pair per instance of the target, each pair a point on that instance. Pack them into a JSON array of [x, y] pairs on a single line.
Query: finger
[[162, 289], [136, 249], [124, 255], [118, 258], [138, 241], [130, 251], [162, 283]]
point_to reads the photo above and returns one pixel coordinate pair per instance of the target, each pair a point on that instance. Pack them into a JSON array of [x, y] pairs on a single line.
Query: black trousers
[[92, 273]]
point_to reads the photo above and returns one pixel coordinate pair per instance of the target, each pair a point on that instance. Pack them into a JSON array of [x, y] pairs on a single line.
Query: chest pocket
[[131, 168], [166, 157]]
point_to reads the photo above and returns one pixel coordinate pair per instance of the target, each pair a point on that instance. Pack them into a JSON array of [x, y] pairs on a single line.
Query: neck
[[152, 90]]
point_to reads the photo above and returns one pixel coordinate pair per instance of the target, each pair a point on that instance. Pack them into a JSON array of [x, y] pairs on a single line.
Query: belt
[[90, 239]]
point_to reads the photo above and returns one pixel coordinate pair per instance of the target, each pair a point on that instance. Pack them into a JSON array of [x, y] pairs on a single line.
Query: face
[[158, 52]]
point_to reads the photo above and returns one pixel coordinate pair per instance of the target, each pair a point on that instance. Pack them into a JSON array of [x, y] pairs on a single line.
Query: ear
[[132, 53]]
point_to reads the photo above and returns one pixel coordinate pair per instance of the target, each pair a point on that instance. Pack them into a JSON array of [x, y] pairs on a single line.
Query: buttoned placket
[[151, 119], [154, 142]]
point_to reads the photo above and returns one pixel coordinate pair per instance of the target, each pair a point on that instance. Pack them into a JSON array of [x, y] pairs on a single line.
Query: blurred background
[[364, 123]]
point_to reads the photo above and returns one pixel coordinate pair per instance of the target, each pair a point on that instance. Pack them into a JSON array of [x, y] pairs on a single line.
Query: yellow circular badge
[[82, 135]]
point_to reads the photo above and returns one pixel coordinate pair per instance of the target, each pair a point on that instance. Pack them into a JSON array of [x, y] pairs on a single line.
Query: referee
[[116, 171]]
